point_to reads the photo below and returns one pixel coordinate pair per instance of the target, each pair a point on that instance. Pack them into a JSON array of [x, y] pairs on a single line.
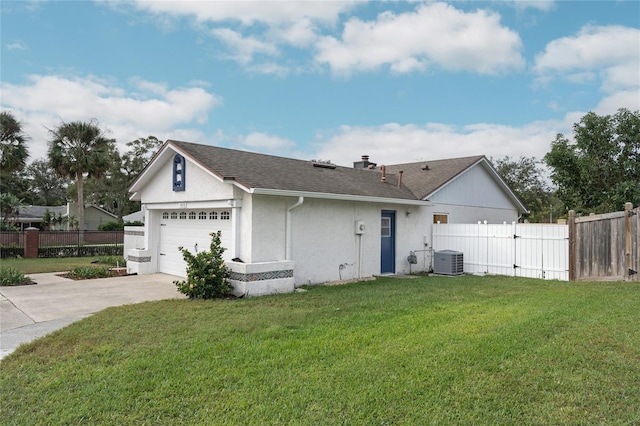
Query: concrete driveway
[[32, 311]]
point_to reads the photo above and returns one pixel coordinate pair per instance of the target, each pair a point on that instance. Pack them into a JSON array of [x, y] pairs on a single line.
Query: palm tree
[[9, 208], [78, 149], [13, 152]]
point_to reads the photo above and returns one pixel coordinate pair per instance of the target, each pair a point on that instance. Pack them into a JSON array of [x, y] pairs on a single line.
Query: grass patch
[[432, 350], [42, 265]]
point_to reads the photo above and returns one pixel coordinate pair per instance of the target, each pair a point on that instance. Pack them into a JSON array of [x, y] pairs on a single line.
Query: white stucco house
[[288, 222]]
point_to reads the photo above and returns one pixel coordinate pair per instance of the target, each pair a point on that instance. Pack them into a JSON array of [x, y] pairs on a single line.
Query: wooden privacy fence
[[605, 246], [516, 249]]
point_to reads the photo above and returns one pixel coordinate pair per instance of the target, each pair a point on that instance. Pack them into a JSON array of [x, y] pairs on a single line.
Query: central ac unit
[[448, 262]]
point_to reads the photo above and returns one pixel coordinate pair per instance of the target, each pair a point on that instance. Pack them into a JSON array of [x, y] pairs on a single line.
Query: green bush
[[206, 272], [111, 226], [10, 276], [89, 272], [134, 223]]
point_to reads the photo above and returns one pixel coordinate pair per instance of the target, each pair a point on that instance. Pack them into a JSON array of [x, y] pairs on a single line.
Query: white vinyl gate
[[517, 249]]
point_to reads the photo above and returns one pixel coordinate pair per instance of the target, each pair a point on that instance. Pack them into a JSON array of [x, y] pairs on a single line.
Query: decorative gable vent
[[178, 173]]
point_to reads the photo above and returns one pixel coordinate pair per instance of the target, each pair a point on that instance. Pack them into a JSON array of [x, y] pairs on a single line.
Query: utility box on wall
[[448, 262], [360, 227]]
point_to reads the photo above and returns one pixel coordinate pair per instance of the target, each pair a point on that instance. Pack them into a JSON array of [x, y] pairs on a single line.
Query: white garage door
[[189, 229]]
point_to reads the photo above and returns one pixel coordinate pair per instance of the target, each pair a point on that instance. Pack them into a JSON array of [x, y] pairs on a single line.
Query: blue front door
[[388, 242]]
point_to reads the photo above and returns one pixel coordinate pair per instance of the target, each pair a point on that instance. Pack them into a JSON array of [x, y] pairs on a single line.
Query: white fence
[[517, 249]]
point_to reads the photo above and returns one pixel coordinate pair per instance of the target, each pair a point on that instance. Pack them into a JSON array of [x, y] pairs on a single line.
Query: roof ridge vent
[[324, 165]]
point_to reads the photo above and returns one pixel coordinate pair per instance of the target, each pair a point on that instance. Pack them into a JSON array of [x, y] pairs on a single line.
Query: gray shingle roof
[[424, 182], [37, 212], [260, 171]]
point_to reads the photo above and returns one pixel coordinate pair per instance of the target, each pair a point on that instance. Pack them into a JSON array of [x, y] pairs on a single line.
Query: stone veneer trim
[[261, 276], [141, 259]]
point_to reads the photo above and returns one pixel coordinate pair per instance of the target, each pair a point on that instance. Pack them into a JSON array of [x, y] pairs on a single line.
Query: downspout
[[288, 236]]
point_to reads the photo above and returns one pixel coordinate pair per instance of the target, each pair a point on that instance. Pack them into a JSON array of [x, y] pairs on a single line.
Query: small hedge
[[11, 277], [111, 226], [89, 272], [11, 251], [82, 251]]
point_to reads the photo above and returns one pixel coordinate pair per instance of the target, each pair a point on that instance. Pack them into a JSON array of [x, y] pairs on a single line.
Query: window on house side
[[385, 227], [442, 218]]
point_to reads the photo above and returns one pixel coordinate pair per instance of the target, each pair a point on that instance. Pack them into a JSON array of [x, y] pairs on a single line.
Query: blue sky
[[398, 81]]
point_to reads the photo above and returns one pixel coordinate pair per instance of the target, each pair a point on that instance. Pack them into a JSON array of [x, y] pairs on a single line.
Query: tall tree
[[78, 149], [13, 151], [112, 191], [139, 154], [599, 170], [525, 177], [46, 187]]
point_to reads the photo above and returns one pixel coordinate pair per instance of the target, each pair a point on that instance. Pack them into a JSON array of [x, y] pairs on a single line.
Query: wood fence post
[[627, 241], [571, 221]]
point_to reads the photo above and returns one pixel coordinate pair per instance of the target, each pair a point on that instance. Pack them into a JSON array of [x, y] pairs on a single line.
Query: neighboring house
[[134, 217], [289, 222], [32, 216]]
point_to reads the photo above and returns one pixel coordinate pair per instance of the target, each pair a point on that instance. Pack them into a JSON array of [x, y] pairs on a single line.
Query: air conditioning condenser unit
[[448, 262]]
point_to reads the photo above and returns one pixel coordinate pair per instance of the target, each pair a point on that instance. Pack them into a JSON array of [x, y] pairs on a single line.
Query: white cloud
[[243, 48], [264, 142], [393, 143], [301, 33], [611, 52], [269, 68], [436, 33], [46, 100], [629, 99], [249, 12], [251, 28], [16, 45], [543, 5]]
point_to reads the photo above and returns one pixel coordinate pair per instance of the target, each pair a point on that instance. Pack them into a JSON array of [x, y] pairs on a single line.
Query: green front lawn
[[431, 350], [41, 265]]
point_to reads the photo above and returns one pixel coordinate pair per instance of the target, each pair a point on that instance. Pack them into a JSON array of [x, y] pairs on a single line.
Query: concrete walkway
[[32, 311]]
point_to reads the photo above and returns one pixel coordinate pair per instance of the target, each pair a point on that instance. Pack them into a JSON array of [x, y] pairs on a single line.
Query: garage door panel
[[193, 235]]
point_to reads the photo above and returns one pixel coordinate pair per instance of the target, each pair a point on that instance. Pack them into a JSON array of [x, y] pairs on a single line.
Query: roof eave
[[342, 197]]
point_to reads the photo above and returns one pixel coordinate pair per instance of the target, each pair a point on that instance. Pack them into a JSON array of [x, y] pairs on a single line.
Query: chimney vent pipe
[[400, 178], [383, 178]]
